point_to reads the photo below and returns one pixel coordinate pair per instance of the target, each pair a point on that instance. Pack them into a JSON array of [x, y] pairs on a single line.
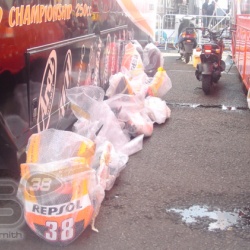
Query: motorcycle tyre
[[216, 80], [206, 84], [198, 72], [187, 58]]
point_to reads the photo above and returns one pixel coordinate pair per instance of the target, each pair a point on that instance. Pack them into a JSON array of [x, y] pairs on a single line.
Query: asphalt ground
[[200, 156]]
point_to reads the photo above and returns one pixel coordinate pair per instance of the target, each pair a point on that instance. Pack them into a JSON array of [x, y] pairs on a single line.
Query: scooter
[[187, 39], [211, 66]]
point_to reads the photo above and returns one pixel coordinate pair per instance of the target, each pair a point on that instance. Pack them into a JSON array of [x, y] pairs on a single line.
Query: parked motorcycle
[[208, 71], [187, 39]]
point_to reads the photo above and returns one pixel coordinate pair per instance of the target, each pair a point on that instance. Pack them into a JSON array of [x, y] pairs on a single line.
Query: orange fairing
[[57, 194], [61, 216], [132, 60], [37, 143]]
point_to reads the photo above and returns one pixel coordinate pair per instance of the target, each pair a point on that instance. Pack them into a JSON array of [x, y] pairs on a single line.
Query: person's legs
[[204, 24], [209, 22], [180, 40], [205, 21]]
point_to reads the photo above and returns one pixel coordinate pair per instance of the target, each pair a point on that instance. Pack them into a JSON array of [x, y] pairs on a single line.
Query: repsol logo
[[57, 210], [47, 92]]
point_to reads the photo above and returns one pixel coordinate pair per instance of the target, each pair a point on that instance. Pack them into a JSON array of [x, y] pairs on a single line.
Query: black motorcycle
[[211, 66], [187, 39]]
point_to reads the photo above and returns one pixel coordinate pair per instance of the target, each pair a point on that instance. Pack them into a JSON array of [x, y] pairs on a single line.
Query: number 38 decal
[[66, 232], [40, 184]]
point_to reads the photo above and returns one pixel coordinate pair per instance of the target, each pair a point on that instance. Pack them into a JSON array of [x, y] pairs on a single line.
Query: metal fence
[[167, 27]]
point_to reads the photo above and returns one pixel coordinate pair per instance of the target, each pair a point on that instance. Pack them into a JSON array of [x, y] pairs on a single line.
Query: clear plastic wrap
[[60, 191], [121, 102], [60, 198], [138, 47], [160, 84], [118, 84], [138, 123], [111, 129], [87, 128], [108, 163], [139, 84], [65, 176], [53, 145], [152, 59], [97, 111], [130, 111], [157, 109], [132, 61], [134, 146], [84, 99]]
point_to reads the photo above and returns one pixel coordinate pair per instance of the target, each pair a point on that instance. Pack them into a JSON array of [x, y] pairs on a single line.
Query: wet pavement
[[198, 160]]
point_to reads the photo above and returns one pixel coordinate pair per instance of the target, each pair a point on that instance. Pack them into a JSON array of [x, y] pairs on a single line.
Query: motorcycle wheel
[[198, 72], [206, 84], [216, 79], [187, 58]]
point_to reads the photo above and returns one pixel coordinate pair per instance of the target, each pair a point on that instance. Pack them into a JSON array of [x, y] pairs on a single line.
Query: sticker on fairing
[[47, 92]]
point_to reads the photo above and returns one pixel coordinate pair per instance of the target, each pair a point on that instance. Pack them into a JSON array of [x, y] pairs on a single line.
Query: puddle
[[220, 219], [228, 108]]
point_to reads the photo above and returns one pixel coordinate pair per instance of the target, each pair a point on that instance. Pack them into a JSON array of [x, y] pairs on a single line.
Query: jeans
[[205, 23]]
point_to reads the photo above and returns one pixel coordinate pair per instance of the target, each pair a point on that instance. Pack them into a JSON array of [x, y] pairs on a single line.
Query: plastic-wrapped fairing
[[160, 84], [132, 61], [60, 191], [152, 59], [157, 109]]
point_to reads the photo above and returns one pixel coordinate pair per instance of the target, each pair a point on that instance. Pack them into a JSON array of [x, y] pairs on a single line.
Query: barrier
[[168, 24]]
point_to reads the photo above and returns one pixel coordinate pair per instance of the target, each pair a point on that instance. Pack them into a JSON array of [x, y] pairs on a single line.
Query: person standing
[[205, 13], [211, 11]]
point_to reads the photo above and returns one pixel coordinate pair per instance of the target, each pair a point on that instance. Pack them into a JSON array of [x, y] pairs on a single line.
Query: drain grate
[[194, 105]]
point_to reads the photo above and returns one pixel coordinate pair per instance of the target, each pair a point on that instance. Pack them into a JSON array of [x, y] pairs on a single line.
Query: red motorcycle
[[211, 66]]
